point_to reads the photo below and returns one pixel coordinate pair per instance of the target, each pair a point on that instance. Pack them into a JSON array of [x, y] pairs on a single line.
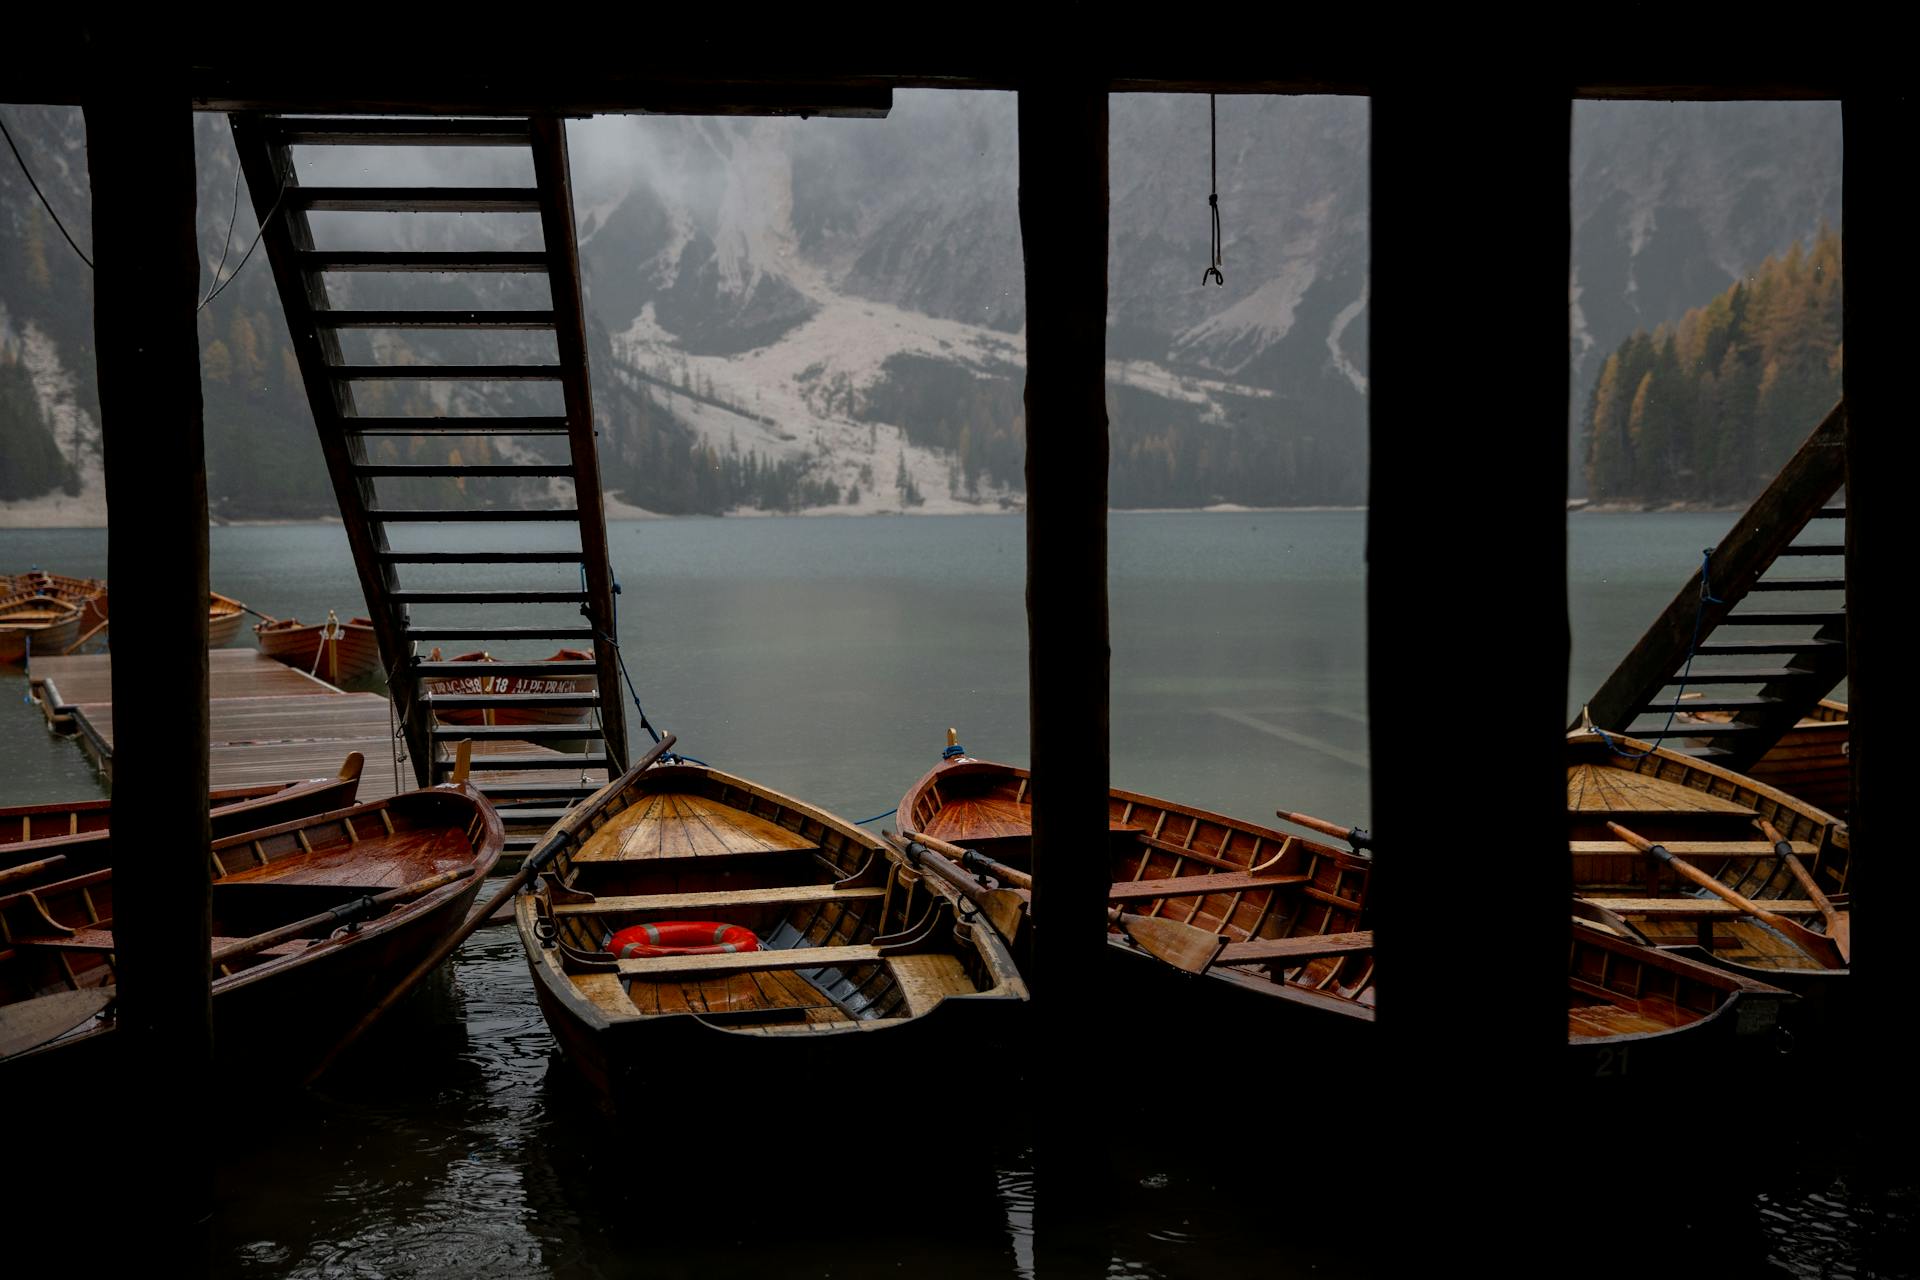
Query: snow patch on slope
[[75, 432]]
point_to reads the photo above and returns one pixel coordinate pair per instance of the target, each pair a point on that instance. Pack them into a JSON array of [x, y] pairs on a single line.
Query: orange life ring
[[681, 938]]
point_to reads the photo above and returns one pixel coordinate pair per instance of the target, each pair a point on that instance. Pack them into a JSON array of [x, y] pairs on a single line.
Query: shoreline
[[621, 512]]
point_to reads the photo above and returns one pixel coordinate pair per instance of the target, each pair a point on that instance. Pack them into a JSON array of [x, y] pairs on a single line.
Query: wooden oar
[[1004, 908], [1184, 946], [28, 1024], [555, 840], [1839, 924], [28, 870], [1358, 837], [98, 627], [1817, 945], [973, 860], [336, 915]]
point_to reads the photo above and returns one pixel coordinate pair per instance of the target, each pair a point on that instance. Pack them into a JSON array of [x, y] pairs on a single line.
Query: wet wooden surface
[[268, 722]]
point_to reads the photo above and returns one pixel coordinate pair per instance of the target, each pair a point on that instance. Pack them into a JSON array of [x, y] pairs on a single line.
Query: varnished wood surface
[[686, 826], [60, 936], [820, 894], [1300, 932], [1705, 815]]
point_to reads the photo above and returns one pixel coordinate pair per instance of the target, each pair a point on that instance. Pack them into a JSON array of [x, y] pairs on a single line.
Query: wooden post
[[1063, 224], [1467, 626], [146, 282], [1878, 127]]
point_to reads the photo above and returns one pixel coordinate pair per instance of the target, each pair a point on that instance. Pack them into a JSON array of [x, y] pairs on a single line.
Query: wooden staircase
[[428, 575], [1779, 582]]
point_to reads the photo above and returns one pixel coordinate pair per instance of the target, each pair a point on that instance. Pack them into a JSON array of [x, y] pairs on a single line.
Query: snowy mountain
[[828, 313]]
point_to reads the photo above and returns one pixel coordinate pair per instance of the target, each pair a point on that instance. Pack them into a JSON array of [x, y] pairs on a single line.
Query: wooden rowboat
[[35, 626], [1619, 787], [224, 617], [89, 595], [1809, 761], [311, 919], [481, 683], [854, 955], [45, 842], [337, 652], [1291, 917]]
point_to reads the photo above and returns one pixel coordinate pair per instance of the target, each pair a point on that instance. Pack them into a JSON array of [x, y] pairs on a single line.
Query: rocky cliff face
[[839, 302]]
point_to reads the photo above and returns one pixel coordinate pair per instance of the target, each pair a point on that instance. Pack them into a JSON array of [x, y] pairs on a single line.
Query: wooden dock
[[267, 722]]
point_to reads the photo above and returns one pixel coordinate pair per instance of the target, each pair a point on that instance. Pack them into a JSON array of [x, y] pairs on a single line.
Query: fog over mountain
[[791, 314]]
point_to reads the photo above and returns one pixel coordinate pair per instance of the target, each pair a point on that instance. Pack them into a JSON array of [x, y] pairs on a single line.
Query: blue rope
[[953, 752], [876, 817], [621, 657], [1686, 673]]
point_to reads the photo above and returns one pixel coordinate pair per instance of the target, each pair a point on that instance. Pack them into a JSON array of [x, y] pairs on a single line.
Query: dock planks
[[267, 721]]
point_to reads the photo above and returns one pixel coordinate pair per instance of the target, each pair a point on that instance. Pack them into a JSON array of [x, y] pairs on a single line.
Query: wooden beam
[[1063, 223], [553, 178], [1063, 227], [1879, 449], [1470, 235], [146, 343], [1754, 542]]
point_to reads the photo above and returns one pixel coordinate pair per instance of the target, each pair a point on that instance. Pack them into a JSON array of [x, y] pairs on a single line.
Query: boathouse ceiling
[[841, 65]]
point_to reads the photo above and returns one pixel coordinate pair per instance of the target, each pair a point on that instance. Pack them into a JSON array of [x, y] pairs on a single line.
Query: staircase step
[[514, 732], [481, 557], [1819, 549], [1766, 646], [505, 425], [426, 669], [433, 132], [421, 260], [479, 515], [1745, 675], [523, 701], [1730, 703], [1732, 730], [415, 199], [433, 319], [1830, 513], [544, 816], [495, 633], [1799, 584], [447, 372], [482, 470], [1786, 618], [545, 760], [549, 789], [507, 596]]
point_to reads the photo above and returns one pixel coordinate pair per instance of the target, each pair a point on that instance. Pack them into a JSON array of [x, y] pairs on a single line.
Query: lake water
[[826, 657]]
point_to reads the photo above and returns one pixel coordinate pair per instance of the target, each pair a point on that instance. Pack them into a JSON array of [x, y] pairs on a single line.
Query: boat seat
[[1194, 886], [928, 978], [100, 941], [1683, 908], [94, 940], [654, 968], [1309, 947], [1697, 848], [797, 895]]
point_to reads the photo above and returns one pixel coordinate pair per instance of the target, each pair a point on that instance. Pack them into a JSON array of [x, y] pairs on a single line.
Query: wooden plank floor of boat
[[680, 825], [1601, 788]]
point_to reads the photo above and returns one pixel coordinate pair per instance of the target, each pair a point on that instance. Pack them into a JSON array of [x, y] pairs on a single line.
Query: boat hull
[[350, 654], [482, 684], [280, 1002], [859, 962]]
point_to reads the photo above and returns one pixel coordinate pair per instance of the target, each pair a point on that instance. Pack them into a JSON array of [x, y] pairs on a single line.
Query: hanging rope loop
[[1212, 274]]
